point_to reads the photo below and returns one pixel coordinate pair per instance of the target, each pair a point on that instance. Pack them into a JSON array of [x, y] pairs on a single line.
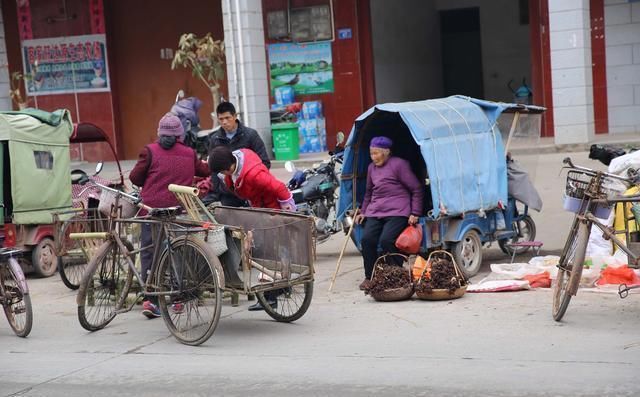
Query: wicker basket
[[391, 295], [108, 199], [216, 238], [442, 294]]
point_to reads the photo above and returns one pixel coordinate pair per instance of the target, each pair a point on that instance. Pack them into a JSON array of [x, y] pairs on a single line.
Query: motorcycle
[[315, 191]]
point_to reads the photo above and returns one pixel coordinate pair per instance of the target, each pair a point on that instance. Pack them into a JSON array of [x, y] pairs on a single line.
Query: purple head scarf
[[381, 142]]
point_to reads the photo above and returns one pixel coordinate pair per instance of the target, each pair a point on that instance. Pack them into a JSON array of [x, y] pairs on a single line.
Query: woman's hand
[[413, 220], [359, 218]]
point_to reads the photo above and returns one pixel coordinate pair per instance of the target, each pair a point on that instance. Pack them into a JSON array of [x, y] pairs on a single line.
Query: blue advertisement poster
[[62, 65], [305, 67]]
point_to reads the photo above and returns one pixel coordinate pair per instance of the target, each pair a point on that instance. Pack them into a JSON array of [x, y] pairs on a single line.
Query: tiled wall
[[622, 35], [254, 65], [5, 101], [571, 72]]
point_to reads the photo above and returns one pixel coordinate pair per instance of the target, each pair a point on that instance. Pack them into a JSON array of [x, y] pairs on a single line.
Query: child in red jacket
[[246, 175]]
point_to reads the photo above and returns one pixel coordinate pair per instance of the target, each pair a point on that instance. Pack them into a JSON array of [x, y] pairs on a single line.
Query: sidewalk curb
[[575, 147]]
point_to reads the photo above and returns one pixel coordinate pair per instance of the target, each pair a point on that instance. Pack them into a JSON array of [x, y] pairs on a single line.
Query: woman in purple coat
[[392, 201]]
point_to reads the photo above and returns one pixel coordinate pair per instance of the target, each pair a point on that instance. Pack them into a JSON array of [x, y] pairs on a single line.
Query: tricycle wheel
[[189, 283], [291, 303], [71, 269], [525, 230], [44, 259], [468, 253]]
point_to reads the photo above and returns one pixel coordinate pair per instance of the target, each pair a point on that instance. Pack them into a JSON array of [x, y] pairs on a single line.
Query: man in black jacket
[[235, 135]]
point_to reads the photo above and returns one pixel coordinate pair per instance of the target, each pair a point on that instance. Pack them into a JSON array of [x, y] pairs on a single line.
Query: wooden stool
[[536, 245]]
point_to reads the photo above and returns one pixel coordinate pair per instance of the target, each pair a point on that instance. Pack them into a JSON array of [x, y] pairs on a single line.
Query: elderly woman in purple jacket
[[392, 201]]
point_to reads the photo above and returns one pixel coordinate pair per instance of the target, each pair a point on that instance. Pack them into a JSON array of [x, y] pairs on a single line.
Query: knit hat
[[170, 125], [381, 142]]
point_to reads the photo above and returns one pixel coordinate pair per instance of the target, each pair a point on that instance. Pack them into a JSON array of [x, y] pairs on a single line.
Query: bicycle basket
[[578, 183], [108, 199]]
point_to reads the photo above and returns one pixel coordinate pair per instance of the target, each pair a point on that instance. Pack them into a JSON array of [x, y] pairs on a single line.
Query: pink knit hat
[[170, 125]]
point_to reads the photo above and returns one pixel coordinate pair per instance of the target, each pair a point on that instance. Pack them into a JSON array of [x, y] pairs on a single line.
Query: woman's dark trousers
[[381, 232]]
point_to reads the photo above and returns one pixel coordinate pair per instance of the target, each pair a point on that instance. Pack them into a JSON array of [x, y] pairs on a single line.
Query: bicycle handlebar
[[135, 200], [567, 161]]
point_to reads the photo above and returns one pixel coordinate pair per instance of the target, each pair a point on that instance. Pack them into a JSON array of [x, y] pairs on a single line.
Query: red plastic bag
[[410, 240], [618, 275], [540, 280]]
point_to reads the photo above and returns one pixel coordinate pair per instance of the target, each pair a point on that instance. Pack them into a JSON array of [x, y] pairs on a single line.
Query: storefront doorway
[[142, 36]]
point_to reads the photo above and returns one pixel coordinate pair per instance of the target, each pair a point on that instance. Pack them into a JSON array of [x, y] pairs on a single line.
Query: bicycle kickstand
[[623, 290]]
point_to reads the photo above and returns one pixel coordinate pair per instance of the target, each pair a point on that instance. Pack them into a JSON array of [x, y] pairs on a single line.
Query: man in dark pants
[[235, 135]]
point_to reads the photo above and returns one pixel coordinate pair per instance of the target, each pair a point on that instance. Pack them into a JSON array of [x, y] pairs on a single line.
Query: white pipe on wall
[[232, 49], [245, 112]]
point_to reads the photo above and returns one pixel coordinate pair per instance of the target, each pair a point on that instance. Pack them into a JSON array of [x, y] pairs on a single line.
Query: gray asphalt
[[501, 344]]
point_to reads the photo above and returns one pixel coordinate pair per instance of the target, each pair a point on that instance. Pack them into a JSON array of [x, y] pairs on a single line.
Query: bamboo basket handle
[[455, 265], [376, 264]]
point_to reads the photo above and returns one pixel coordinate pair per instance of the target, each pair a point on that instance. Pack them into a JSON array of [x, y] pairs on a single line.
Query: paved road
[[483, 344]]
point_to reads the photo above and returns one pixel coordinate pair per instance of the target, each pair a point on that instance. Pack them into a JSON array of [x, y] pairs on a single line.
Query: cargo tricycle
[[456, 147]]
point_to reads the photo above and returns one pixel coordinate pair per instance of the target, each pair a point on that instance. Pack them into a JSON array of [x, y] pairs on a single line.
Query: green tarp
[[40, 163]]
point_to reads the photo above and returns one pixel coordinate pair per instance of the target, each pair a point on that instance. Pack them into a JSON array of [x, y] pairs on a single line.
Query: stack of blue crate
[[312, 128]]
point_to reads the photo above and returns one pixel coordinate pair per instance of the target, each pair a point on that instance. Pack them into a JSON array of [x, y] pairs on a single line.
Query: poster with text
[[66, 65], [305, 67]]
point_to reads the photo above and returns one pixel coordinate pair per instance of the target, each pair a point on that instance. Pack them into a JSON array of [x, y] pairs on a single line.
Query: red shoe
[[150, 310]]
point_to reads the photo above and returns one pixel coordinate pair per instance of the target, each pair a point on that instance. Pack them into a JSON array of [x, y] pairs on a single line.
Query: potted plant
[[205, 57]]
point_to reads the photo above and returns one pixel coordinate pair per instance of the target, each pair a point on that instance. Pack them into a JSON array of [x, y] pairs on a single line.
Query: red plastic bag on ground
[[540, 280], [410, 239], [618, 275]]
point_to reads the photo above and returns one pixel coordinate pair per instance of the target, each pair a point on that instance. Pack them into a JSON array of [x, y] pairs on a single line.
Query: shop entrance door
[[461, 52]]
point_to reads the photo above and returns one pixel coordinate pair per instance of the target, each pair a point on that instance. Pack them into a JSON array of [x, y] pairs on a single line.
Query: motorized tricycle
[[35, 182], [456, 147]]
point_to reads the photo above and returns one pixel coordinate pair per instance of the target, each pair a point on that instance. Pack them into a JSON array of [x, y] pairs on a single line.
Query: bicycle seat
[[165, 212]]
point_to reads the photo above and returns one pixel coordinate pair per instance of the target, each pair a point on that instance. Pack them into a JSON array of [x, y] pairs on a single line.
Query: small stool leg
[[513, 256], [235, 299]]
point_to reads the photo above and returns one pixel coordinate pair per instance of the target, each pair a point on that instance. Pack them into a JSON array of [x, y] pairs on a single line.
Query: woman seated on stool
[[392, 200]]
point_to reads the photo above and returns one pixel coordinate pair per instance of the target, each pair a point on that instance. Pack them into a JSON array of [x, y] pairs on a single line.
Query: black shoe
[[256, 307]]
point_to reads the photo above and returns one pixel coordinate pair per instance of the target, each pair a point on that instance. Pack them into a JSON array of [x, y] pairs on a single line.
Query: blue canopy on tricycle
[[453, 144]]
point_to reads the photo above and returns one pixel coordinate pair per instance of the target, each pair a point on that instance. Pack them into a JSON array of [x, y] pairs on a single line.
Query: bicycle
[[14, 293], [185, 274], [590, 194], [74, 255]]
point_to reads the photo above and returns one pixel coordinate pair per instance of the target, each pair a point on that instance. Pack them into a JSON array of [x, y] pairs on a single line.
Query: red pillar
[[541, 61], [599, 68]]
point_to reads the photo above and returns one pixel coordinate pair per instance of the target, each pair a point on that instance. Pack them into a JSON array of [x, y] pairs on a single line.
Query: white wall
[[406, 50], [5, 101], [571, 70], [408, 58], [622, 36]]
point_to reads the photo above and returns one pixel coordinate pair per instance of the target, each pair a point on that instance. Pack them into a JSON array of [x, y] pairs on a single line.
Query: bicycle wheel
[[525, 231], [570, 267], [16, 303], [190, 290], [72, 269], [105, 286], [290, 303]]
